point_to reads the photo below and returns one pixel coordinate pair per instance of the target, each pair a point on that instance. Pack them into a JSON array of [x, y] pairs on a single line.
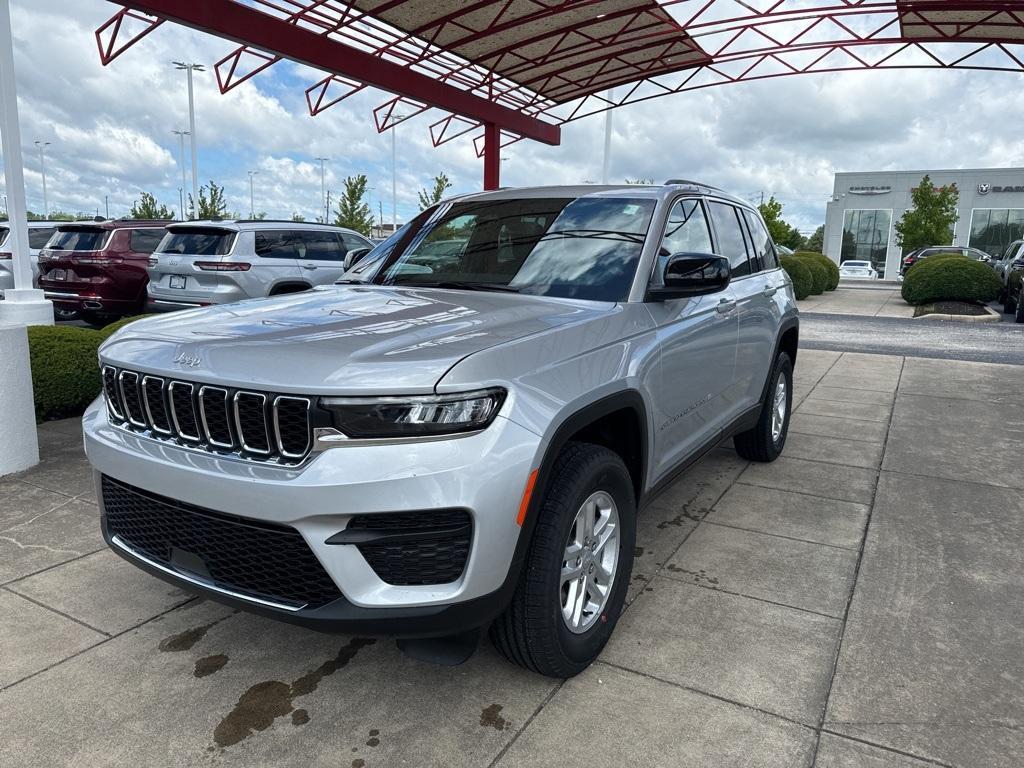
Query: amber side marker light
[[525, 503]]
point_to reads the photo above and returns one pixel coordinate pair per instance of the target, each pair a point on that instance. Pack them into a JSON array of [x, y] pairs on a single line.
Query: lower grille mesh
[[253, 558], [439, 557]]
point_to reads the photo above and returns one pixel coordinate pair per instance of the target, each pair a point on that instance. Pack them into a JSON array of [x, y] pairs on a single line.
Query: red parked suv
[[99, 267]]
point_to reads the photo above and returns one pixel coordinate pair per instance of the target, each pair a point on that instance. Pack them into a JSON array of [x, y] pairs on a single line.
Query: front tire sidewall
[[783, 367], [583, 648]]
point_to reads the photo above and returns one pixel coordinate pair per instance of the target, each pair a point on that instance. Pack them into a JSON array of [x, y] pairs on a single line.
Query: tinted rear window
[[79, 239], [199, 241]]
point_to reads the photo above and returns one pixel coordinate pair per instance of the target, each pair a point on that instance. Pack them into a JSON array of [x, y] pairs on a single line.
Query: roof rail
[[692, 183], [281, 221]]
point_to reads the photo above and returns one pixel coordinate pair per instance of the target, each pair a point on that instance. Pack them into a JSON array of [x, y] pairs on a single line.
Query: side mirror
[[692, 274], [356, 254]]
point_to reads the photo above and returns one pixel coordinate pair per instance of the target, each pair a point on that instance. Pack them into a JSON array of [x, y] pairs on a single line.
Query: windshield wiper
[[464, 285], [596, 234]]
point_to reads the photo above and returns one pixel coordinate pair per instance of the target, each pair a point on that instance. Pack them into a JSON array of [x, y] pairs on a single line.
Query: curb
[[988, 317]]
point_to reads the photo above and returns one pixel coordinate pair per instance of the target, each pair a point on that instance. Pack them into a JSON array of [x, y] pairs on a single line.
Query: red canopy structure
[[505, 70]]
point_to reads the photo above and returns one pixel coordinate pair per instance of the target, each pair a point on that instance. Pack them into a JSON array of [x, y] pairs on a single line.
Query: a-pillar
[[492, 156]]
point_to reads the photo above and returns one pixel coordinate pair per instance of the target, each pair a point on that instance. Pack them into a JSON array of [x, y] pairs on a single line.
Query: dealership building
[[860, 218]]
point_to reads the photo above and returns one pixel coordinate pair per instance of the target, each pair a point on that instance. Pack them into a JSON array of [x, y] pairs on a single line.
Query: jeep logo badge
[[192, 361]]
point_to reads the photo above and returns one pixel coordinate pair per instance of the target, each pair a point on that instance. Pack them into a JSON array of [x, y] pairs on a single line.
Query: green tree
[[433, 196], [353, 212], [298, 217], [642, 182], [816, 242], [212, 204], [781, 232], [149, 208], [930, 221]]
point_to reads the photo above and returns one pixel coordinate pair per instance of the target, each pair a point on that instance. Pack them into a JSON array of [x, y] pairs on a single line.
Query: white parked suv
[[461, 432], [39, 233], [199, 263]]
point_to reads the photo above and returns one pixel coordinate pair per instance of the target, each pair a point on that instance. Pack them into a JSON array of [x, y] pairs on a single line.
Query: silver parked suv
[[217, 262], [452, 436]]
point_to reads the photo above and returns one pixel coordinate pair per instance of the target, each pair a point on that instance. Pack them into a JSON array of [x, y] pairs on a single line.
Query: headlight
[[382, 417]]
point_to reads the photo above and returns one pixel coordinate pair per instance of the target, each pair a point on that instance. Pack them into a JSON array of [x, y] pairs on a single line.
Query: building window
[[866, 237], [993, 229]]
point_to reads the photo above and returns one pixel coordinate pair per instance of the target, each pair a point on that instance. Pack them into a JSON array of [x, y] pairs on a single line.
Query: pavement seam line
[[832, 416], [101, 642], [700, 692], [853, 586], [51, 567], [41, 514], [884, 748], [812, 495], [745, 596], [515, 737], [835, 437], [777, 535], [58, 612]]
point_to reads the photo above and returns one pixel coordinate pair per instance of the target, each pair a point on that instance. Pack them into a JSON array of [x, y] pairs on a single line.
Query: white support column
[[19, 448]]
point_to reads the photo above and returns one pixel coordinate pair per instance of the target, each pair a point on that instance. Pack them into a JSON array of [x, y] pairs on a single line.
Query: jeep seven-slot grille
[[255, 425], [253, 558]]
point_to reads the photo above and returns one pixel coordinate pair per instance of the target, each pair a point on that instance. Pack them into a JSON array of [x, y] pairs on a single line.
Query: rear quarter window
[[197, 241], [145, 240], [37, 238]]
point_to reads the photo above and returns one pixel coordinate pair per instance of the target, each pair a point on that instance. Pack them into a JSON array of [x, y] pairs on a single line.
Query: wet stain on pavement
[[264, 702], [210, 664], [699, 577], [184, 641], [358, 763], [490, 717], [373, 741], [300, 717], [638, 552]]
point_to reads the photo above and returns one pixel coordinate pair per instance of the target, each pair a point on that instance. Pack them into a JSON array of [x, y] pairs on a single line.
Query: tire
[[760, 443], [65, 315], [532, 632], [96, 320], [1018, 316], [1009, 305]]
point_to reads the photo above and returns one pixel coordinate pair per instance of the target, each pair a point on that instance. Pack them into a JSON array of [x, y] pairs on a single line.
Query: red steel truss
[[505, 70]]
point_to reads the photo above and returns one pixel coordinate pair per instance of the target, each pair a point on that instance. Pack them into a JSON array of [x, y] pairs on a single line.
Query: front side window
[[583, 248], [352, 243], [197, 241], [686, 231], [764, 250], [731, 243]]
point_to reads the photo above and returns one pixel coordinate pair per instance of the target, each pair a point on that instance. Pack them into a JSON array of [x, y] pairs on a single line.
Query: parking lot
[[857, 603]]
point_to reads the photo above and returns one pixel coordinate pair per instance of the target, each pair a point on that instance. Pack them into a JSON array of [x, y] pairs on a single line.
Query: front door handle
[[770, 291], [725, 306], [309, 266]]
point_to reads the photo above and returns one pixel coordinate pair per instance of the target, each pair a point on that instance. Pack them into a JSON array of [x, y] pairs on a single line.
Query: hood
[[337, 340]]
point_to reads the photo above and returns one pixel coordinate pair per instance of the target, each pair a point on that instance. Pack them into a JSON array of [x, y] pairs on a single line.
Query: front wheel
[[765, 441], [573, 584], [1018, 316]]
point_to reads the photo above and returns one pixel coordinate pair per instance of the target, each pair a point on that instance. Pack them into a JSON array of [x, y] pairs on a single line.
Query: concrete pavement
[[856, 603]]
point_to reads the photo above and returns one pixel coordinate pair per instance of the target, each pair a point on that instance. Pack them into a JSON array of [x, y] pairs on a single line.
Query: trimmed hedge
[[830, 266], [65, 367], [65, 373], [950, 278], [117, 325], [819, 275], [800, 274]]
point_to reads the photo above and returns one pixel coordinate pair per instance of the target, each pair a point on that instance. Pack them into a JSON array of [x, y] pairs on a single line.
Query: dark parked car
[[1013, 301], [99, 267], [923, 253]]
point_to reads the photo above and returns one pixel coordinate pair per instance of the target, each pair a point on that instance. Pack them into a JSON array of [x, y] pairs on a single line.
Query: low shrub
[[117, 325], [950, 278], [819, 275], [952, 255], [800, 274], [65, 372], [830, 266]]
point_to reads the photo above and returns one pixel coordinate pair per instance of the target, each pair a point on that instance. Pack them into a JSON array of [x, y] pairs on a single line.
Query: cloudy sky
[[110, 129]]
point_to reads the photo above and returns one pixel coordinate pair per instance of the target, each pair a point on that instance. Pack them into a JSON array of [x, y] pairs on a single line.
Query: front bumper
[[483, 473]]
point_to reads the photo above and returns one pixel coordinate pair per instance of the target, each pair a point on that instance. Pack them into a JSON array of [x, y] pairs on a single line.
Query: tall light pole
[[42, 145], [181, 163], [395, 120], [607, 139], [323, 187], [252, 196], [190, 68]]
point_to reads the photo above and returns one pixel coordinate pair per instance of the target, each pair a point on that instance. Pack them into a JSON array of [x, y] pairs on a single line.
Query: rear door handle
[[309, 266], [770, 291], [725, 306]]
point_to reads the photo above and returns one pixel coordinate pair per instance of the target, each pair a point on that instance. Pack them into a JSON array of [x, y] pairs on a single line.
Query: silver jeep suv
[[199, 263], [452, 436]]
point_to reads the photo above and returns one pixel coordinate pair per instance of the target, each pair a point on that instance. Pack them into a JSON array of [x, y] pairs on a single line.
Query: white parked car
[[861, 270]]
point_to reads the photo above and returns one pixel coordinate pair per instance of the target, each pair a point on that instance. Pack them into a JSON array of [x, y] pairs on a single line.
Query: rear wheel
[[1009, 305], [766, 440], [1018, 316], [573, 583]]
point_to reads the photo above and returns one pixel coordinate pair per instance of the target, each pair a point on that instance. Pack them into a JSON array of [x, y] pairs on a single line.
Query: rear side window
[[279, 245], [321, 246], [37, 238], [146, 240], [764, 252], [79, 239], [731, 243], [197, 241]]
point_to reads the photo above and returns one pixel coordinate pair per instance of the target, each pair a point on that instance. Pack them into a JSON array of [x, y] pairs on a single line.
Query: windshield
[[582, 248], [78, 240], [197, 241]]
